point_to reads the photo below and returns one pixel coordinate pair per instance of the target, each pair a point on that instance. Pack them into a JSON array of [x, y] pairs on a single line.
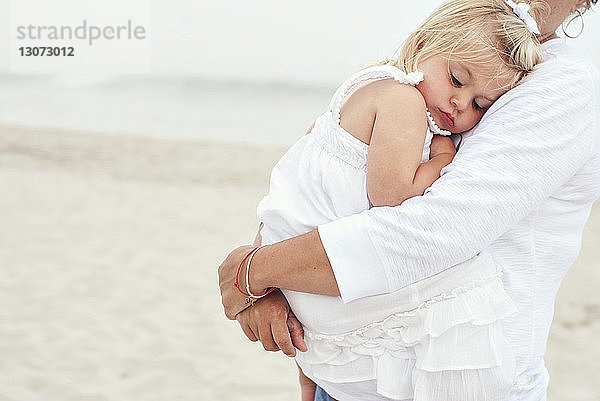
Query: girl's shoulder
[[390, 90], [358, 113], [385, 92]]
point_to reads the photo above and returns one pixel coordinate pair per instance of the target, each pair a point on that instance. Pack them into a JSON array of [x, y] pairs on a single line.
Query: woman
[[520, 188]]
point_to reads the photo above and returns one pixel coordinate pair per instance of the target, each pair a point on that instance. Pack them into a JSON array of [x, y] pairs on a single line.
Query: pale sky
[[264, 40]]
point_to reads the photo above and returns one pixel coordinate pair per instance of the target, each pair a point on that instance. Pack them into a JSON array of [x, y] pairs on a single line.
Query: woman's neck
[[547, 37]]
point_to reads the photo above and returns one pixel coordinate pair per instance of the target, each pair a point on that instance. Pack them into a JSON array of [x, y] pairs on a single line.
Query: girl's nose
[[457, 102]]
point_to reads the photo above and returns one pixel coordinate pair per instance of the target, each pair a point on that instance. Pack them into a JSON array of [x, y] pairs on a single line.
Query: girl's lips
[[447, 117]]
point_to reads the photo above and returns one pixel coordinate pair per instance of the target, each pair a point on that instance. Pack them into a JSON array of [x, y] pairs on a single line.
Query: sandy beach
[[108, 251]]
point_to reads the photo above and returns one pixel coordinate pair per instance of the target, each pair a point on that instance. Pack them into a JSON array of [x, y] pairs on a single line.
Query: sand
[[108, 254]]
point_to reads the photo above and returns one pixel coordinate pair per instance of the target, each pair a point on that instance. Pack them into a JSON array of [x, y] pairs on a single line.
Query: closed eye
[[476, 106], [455, 81]]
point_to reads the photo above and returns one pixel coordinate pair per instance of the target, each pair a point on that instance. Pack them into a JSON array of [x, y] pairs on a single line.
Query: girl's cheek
[[426, 91]]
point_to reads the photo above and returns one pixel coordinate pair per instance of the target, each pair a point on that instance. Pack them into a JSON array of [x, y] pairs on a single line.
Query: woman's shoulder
[[564, 65]]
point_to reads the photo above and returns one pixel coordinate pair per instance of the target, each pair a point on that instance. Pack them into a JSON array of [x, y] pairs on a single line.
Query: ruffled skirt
[[440, 339]]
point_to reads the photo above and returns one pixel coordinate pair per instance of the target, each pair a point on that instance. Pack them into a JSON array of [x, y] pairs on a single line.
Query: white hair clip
[[522, 11]]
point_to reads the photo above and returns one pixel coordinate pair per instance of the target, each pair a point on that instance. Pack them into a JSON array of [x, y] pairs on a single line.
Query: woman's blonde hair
[[477, 31]]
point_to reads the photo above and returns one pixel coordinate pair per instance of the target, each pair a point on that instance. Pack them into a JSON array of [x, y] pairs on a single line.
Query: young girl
[[380, 143]]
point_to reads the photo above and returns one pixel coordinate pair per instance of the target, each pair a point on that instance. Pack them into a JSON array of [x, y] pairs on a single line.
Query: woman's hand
[[298, 264], [233, 301], [271, 322]]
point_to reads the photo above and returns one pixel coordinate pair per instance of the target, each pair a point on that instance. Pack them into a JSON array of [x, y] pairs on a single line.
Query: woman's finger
[[296, 333], [248, 332], [266, 338], [243, 321], [282, 337]]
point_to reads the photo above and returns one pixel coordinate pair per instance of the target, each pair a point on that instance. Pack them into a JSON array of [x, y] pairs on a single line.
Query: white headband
[[522, 11]]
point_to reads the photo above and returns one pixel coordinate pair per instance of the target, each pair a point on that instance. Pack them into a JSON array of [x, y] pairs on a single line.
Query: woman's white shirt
[[520, 187]]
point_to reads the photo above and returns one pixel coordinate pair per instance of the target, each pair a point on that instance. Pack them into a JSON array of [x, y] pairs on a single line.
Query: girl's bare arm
[[394, 169]]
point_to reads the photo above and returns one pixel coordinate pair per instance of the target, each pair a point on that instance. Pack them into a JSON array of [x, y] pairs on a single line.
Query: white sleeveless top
[[376, 73], [416, 343]]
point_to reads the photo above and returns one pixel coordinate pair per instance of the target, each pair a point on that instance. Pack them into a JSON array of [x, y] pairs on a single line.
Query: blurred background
[[130, 170]]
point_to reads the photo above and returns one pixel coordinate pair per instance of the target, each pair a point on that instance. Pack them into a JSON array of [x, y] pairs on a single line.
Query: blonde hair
[[477, 31]]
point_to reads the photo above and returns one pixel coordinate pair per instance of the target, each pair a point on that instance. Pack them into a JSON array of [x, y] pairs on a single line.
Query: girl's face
[[457, 93]]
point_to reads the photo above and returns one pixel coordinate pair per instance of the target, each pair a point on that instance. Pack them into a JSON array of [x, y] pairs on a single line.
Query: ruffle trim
[[340, 143], [462, 333], [434, 127], [377, 72]]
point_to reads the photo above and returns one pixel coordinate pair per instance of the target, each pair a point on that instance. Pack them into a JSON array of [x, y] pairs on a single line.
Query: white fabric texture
[[520, 187], [413, 343], [452, 343]]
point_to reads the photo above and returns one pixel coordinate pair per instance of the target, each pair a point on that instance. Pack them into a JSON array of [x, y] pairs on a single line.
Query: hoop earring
[[564, 28]]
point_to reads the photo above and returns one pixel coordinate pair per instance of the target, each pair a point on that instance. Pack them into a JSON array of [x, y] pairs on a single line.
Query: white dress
[[443, 334]]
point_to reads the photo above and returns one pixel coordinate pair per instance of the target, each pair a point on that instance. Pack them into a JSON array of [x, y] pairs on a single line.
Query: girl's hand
[[310, 128], [258, 238], [441, 145]]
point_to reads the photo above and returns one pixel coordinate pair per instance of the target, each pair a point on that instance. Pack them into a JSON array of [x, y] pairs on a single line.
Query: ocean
[[180, 109], [254, 72]]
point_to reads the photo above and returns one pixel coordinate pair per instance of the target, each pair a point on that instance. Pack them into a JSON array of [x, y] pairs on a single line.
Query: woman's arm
[[515, 159], [394, 169], [298, 263], [394, 174]]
